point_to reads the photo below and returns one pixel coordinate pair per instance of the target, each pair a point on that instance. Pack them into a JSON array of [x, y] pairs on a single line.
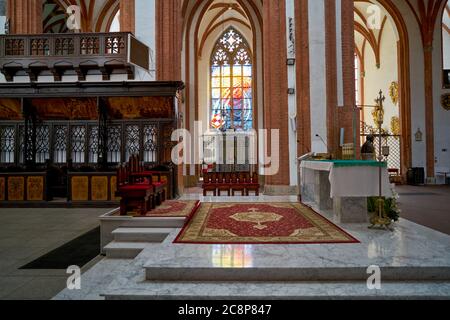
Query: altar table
[[344, 186]]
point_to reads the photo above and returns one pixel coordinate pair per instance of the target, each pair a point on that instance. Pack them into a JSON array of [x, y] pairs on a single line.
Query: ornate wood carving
[[114, 189], [99, 188], [141, 107], [2, 189], [16, 188], [66, 108], [35, 188], [80, 189], [10, 109]]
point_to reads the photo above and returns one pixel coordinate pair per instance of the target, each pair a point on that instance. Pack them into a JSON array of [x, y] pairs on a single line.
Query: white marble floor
[[414, 260]]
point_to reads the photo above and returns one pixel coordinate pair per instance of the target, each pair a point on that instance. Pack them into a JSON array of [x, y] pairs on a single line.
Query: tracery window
[[231, 83], [78, 144], [7, 144]]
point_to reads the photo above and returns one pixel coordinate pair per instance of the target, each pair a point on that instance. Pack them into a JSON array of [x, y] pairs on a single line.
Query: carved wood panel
[[35, 188], [80, 189], [2, 189], [16, 188], [99, 188]]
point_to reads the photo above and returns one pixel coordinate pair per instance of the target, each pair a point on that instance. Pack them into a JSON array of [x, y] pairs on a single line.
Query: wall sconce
[[290, 61], [291, 91], [419, 135]]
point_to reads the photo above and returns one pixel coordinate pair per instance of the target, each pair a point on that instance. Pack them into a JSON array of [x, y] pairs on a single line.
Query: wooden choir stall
[[64, 143]]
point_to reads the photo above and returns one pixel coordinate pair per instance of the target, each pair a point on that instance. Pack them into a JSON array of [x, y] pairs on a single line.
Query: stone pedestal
[[350, 210], [323, 190]]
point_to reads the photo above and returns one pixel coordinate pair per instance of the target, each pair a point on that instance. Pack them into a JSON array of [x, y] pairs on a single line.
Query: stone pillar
[[303, 87], [168, 39], [318, 74], [346, 43], [276, 114], [25, 16], [127, 14]]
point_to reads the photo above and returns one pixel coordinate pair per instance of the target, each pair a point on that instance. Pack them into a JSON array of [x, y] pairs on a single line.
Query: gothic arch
[[396, 18]]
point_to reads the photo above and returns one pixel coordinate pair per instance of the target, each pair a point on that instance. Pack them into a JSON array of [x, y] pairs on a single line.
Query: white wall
[[417, 84], [441, 116], [377, 79], [145, 17], [318, 83], [446, 39]]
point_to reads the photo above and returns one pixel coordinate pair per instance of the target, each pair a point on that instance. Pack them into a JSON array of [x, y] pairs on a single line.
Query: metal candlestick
[[380, 220]]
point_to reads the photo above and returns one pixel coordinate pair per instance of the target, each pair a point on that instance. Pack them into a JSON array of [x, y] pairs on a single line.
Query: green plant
[[390, 207]]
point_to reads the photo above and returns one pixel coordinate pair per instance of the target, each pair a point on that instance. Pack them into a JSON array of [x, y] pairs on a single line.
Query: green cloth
[[356, 163]]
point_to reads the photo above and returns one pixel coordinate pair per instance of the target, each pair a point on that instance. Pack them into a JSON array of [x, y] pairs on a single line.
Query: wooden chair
[[253, 185], [134, 196], [209, 184], [238, 183], [224, 184]]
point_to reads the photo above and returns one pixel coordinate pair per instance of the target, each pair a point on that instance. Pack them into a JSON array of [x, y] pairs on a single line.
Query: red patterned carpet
[[172, 208], [263, 223]]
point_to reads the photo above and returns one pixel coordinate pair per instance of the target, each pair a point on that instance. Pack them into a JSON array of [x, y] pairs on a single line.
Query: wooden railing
[[77, 51]]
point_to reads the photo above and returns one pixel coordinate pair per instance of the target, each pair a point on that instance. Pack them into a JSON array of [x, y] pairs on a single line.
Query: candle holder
[[380, 219]]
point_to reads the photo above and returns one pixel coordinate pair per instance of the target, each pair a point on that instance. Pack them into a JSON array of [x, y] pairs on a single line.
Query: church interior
[[224, 149]]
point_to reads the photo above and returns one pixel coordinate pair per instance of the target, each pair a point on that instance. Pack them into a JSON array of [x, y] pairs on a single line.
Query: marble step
[[276, 290], [124, 250], [156, 222], [149, 235], [275, 273]]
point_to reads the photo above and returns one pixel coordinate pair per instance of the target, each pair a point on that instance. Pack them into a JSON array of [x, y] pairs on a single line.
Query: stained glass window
[[231, 83]]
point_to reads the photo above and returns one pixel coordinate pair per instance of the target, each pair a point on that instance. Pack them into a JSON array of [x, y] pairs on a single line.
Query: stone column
[[346, 43], [276, 115], [25, 16], [127, 15]]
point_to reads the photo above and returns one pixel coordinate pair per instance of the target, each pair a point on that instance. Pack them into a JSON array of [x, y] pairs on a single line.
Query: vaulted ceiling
[[96, 15]]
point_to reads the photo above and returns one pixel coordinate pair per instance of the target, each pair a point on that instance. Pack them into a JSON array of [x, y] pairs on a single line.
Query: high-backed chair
[[209, 184], [134, 196], [238, 183], [224, 184], [253, 185]]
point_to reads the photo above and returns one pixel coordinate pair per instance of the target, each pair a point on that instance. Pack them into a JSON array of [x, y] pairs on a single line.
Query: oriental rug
[[261, 223], [171, 208]]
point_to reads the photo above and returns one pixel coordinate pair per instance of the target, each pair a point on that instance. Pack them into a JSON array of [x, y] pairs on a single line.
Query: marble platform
[[414, 260]]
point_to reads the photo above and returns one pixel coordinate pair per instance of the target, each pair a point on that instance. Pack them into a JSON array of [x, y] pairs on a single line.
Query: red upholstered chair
[[253, 185], [209, 184], [237, 183], [224, 184], [134, 196]]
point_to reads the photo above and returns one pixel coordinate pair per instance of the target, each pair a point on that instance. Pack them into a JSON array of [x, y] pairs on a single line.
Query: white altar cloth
[[348, 181]]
